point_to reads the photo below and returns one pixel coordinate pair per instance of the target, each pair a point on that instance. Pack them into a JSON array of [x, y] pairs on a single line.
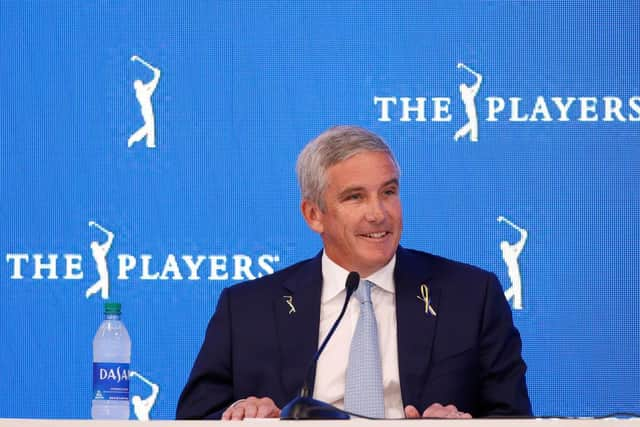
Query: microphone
[[304, 407]]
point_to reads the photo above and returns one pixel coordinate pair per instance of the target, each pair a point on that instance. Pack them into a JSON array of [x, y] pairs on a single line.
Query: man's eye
[[391, 191], [355, 196]]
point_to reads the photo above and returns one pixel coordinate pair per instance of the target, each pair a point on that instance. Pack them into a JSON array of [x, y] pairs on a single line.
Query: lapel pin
[[424, 296], [289, 300]]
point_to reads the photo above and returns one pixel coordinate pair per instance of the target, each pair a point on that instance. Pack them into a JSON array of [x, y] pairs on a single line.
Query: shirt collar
[[334, 277]]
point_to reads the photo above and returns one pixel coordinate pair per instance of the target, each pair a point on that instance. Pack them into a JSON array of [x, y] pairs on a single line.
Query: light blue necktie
[[363, 393]]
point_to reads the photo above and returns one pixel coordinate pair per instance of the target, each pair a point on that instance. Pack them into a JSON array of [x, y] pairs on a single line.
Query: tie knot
[[363, 293]]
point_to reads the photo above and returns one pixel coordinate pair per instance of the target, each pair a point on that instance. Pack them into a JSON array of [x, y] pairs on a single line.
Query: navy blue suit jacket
[[468, 355]]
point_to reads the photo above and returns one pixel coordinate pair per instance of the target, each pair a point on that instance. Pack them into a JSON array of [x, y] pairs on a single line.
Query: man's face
[[362, 220]]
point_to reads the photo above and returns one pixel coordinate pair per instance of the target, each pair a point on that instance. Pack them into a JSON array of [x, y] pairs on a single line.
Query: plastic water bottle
[[111, 358]]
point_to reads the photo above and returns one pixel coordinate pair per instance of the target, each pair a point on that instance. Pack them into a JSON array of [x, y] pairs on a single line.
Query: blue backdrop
[[242, 87]]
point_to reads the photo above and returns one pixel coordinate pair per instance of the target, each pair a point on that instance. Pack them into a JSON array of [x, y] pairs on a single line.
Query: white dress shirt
[[332, 365]]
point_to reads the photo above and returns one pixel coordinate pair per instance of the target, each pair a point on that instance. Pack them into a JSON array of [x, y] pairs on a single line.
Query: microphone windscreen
[[353, 279]]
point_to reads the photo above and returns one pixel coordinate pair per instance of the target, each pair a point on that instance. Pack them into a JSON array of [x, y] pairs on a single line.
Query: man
[[447, 340]]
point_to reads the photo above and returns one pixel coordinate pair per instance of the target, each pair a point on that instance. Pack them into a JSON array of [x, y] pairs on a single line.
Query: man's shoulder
[[439, 265], [270, 282], [467, 281]]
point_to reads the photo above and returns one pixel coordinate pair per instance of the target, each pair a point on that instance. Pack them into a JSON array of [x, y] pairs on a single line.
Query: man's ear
[[312, 215]]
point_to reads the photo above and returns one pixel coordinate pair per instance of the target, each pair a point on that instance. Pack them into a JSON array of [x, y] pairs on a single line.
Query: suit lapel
[[298, 331], [416, 328]]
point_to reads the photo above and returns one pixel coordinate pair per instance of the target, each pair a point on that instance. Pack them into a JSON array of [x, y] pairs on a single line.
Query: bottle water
[[111, 357]]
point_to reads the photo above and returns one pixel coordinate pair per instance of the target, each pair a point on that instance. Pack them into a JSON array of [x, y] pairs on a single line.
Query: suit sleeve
[[209, 390], [504, 389]]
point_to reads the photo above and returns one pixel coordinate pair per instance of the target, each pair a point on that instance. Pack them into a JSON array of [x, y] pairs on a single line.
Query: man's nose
[[375, 211]]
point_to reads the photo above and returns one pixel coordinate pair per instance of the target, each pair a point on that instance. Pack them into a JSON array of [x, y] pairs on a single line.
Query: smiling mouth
[[376, 235]]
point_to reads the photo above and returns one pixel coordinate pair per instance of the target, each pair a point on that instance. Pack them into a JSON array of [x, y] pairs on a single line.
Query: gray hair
[[330, 147]]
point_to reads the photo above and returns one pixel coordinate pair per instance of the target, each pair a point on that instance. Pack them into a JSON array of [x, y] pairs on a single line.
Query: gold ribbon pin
[[289, 301], [424, 291]]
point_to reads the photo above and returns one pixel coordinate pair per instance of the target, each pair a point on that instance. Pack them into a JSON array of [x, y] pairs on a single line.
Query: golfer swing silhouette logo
[[510, 254], [99, 252], [468, 95], [144, 91], [142, 407]]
